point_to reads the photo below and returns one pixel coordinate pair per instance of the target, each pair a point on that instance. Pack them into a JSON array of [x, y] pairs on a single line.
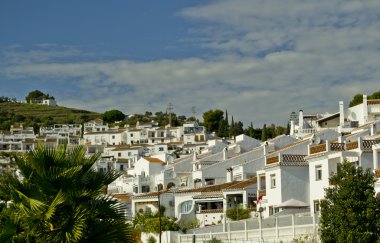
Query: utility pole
[[169, 110]]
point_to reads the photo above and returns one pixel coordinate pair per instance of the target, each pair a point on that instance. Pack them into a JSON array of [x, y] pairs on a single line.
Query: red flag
[[258, 199]]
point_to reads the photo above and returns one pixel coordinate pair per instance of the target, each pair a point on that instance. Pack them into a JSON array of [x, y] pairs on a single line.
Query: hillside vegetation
[[41, 115]]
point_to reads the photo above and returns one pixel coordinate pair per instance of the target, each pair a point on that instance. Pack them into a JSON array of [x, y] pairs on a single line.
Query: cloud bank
[[264, 59]]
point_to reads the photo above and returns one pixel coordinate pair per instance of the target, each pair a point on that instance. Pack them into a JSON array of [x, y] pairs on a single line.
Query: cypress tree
[[264, 133]]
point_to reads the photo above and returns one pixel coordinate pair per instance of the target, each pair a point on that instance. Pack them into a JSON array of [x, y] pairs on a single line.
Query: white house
[[324, 159], [95, 125]]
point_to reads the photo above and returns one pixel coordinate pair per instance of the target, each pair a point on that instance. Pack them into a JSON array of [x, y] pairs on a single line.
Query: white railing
[[275, 234]]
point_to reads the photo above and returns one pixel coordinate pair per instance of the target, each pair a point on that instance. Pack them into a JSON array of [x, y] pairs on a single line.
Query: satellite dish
[[316, 140]]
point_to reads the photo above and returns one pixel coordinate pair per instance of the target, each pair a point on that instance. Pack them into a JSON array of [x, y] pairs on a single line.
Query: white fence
[[284, 228], [279, 234]]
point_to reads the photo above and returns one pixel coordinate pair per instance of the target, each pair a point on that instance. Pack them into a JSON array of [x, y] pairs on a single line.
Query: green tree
[[237, 213], [60, 199], [113, 116], [37, 95], [356, 100], [264, 135], [211, 119], [350, 212], [375, 95], [223, 129], [250, 131]]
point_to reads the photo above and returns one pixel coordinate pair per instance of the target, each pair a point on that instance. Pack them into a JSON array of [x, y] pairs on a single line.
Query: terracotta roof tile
[[289, 145], [153, 160], [243, 184]]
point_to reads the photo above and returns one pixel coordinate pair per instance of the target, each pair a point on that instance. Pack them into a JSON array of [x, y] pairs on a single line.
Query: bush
[[213, 240], [237, 213], [151, 239]]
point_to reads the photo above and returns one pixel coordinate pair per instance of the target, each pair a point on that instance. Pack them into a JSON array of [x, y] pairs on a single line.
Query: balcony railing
[[272, 160], [352, 145], [318, 148], [210, 211], [293, 158], [367, 144], [337, 147]]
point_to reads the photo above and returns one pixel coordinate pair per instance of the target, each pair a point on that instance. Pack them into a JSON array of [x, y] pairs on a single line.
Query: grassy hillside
[[41, 115]]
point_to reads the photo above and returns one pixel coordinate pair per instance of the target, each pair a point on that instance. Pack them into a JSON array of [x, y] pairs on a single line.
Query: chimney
[[373, 129], [225, 153], [229, 174], [292, 127], [341, 114], [365, 108], [300, 120]]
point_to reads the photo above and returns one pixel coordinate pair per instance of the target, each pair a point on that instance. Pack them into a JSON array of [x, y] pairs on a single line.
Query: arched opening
[[170, 185]]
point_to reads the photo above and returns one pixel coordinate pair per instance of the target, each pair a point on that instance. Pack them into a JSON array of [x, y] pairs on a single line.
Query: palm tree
[[59, 199]]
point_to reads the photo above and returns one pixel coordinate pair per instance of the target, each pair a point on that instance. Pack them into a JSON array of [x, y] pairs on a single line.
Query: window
[[121, 167], [145, 189], [318, 172], [113, 136], [316, 206], [270, 210], [160, 149], [273, 181], [119, 154], [131, 135], [129, 153], [186, 206]]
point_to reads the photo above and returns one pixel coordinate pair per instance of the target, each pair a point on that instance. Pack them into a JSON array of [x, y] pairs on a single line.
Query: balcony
[[367, 144], [293, 158], [273, 160], [318, 148], [337, 147], [207, 211], [352, 145]]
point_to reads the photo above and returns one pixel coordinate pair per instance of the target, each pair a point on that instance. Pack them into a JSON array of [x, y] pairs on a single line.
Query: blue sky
[[258, 59]]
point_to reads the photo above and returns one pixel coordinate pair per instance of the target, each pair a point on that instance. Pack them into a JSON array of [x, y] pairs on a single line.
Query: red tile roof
[[153, 160]]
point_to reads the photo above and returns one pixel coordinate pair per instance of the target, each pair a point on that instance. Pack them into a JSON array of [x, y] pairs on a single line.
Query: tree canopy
[[59, 199], [113, 116], [37, 95], [212, 118], [358, 98], [350, 212]]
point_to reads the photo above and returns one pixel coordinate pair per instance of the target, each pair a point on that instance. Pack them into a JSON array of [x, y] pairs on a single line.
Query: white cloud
[[273, 57]]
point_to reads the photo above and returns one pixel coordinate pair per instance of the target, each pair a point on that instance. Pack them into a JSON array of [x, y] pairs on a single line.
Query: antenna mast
[[194, 112], [169, 110]]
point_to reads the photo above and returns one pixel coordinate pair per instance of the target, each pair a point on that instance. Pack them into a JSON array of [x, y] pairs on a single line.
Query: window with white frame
[[273, 181], [186, 206], [318, 172]]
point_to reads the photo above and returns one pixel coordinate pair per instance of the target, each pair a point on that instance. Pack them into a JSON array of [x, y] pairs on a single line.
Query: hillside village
[[197, 176]]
